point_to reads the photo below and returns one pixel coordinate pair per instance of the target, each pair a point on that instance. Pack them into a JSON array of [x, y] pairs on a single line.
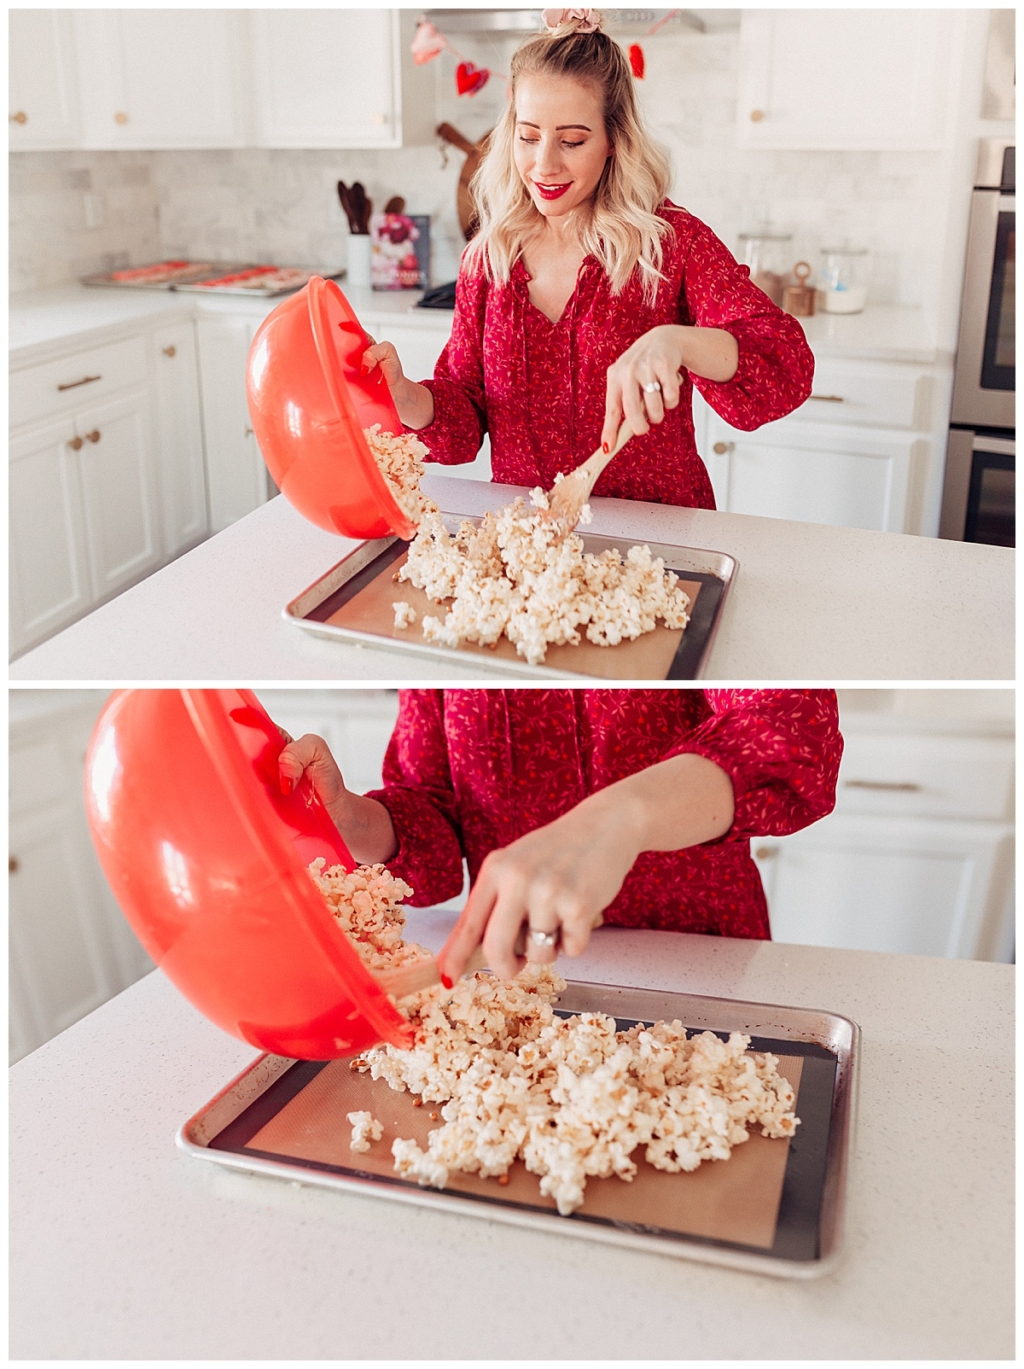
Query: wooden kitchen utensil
[[566, 499], [421, 974], [798, 299], [473, 151]]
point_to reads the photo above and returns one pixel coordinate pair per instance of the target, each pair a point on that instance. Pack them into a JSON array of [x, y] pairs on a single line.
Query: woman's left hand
[[557, 880], [644, 383], [654, 359]]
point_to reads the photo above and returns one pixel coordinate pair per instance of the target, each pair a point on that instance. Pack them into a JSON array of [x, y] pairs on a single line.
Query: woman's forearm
[[711, 353], [366, 828], [414, 402], [677, 803]]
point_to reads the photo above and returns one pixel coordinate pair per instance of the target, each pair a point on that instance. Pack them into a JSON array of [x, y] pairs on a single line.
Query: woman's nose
[[549, 160]]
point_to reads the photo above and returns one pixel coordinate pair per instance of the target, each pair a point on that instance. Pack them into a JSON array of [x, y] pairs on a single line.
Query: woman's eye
[[528, 140], [579, 144]]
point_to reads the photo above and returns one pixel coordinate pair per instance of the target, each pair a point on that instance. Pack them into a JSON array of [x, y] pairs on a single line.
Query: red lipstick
[[551, 192]]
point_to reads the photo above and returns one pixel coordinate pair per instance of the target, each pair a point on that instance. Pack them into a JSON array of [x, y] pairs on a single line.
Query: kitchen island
[[810, 602], [123, 1247]]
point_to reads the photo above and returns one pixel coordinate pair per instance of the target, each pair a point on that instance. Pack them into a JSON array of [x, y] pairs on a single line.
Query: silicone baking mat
[[767, 1198]]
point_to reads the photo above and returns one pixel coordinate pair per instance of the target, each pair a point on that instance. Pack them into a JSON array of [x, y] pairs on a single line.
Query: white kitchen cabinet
[[70, 947], [43, 105], [179, 436], [854, 79], [118, 497], [50, 583], [152, 78], [813, 474], [237, 477], [339, 78], [917, 857]]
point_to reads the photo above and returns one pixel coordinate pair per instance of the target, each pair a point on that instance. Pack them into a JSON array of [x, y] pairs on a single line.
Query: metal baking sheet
[[775, 1207], [352, 602]]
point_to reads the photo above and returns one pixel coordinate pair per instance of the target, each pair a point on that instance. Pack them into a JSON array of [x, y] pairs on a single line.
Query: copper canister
[[798, 299]]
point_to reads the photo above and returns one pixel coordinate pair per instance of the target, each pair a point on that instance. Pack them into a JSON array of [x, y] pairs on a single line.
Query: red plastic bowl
[[208, 861], [309, 405]]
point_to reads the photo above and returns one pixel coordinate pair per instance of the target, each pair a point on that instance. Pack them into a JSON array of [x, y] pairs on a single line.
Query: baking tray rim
[[843, 1037], [721, 564]]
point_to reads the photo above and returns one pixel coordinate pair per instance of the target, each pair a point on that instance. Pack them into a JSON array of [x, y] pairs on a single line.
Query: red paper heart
[[636, 60], [469, 79]]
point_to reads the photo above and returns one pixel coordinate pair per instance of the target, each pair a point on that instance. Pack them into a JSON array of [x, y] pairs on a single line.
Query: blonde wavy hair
[[622, 228]]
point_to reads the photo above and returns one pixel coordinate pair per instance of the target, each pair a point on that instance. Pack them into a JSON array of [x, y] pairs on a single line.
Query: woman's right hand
[[414, 402], [365, 825]]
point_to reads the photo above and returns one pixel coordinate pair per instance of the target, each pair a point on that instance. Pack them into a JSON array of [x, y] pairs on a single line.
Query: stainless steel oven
[[978, 491]]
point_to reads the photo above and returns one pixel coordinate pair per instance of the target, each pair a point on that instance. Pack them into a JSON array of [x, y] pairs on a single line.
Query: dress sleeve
[[460, 416], [419, 796], [780, 747], [776, 366]]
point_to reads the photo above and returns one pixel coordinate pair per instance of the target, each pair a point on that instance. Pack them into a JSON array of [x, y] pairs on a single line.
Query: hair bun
[[582, 21]]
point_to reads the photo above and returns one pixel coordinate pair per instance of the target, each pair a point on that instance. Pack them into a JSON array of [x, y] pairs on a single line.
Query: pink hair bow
[[589, 20]]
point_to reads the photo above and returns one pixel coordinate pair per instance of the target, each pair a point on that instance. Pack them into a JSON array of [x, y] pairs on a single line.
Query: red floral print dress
[[470, 770], [538, 388]]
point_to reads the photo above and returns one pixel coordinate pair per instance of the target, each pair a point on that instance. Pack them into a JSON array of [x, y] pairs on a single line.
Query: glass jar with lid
[[844, 279], [768, 252]]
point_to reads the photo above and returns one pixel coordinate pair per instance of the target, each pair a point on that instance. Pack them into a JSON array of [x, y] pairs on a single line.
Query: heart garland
[[469, 78]]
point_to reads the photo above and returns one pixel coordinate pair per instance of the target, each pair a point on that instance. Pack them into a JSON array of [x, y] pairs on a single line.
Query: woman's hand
[[364, 824], [557, 879], [644, 383], [560, 878], [414, 402]]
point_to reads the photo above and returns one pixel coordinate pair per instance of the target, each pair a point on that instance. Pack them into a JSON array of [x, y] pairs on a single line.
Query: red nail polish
[[287, 784], [446, 981], [605, 448]]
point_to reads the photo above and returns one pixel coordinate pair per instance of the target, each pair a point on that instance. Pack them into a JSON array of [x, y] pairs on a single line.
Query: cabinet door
[[118, 494], [237, 478], [161, 78], [179, 437], [326, 78], [856, 79], [816, 476], [43, 109], [888, 884], [50, 584]]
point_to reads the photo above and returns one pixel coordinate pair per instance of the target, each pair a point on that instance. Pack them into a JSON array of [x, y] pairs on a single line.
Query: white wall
[[909, 208]]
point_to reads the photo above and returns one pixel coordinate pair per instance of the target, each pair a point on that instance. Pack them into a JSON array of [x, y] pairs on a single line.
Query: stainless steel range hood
[[619, 23]]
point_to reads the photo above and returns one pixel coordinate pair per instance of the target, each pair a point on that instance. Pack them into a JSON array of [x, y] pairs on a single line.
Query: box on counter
[[401, 251]]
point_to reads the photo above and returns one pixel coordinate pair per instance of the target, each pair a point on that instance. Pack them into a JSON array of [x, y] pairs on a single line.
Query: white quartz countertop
[[809, 603], [70, 314], [122, 1247]]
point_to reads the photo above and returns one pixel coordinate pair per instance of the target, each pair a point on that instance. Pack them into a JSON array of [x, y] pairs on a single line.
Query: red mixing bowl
[[309, 405], [208, 858]]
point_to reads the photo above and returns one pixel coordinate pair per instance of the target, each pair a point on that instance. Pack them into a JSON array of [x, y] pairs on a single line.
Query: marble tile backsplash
[[282, 206]]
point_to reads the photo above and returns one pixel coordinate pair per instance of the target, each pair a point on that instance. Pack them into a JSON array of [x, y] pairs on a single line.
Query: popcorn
[[572, 1098], [365, 1128], [399, 458], [405, 614], [515, 574]]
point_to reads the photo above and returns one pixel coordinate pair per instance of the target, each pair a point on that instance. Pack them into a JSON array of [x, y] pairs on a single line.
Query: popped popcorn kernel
[[399, 458], [365, 1128]]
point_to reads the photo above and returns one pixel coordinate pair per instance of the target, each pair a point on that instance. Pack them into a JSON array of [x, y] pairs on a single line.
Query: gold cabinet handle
[[13, 865], [756, 115], [720, 448], [828, 399], [74, 384], [171, 351], [120, 117], [889, 786], [766, 852], [76, 444], [20, 118], [94, 436], [248, 432]]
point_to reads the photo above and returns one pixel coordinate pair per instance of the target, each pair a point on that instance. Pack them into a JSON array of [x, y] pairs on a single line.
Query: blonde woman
[[586, 296]]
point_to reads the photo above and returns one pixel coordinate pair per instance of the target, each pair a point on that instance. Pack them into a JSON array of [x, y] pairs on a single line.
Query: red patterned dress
[[538, 388], [470, 770]]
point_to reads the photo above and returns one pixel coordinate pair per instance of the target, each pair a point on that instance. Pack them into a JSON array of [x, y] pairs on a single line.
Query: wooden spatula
[[566, 499], [421, 974]]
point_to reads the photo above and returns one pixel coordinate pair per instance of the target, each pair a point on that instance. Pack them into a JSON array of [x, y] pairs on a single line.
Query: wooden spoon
[[566, 499], [421, 974]]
